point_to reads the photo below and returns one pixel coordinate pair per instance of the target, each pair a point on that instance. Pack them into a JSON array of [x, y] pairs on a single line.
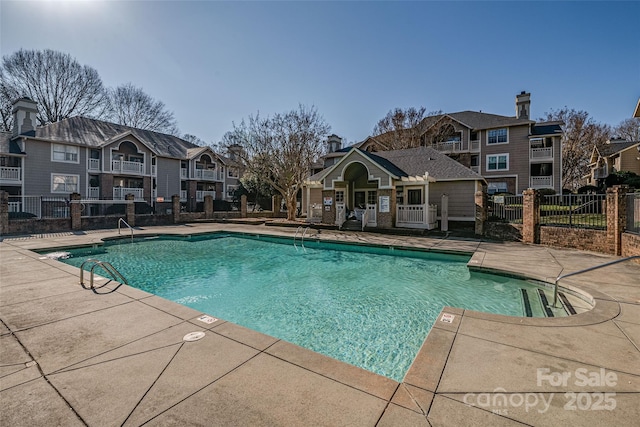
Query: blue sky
[[213, 63]]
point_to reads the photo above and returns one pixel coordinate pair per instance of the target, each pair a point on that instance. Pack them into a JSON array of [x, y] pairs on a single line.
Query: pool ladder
[[304, 232], [106, 266]]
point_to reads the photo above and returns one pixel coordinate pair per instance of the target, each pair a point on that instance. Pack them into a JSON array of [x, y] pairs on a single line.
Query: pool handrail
[[121, 220], [584, 270], [106, 266]]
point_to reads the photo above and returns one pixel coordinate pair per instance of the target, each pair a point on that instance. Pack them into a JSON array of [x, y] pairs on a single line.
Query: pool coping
[[427, 394]]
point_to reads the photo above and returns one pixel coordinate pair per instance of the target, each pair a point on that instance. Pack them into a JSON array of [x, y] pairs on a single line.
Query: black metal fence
[[24, 207], [633, 213], [506, 209], [574, 211]]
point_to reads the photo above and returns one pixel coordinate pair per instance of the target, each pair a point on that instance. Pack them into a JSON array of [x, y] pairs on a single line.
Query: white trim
[[77, 153], [53, 191], [497, 162], [496, 143]]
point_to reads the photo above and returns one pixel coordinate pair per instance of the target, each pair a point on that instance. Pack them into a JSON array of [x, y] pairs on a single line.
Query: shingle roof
[[547, 128], [95, 133], [7, 145], [615, 147], [477, 120], [417, 161], [386, 163]]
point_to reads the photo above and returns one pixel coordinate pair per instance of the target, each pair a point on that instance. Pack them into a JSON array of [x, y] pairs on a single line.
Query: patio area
[[71, 357]]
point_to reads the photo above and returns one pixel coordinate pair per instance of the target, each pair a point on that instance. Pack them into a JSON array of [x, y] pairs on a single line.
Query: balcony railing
[[94, 164], [200, 195], [541, 153], [457, 146], [119, 193], [541, 182], [8, 174], [123, 166], [183, 173], [209, 175], [94, 193], [183, 195], [600, 173], [475, 145], [476, 169], [416, 216]]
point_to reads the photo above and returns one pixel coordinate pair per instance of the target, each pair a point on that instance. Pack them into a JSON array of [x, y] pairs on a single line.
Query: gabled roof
[[612, 148], [417, 161], [95, 133], [7, 145], [477, 120]]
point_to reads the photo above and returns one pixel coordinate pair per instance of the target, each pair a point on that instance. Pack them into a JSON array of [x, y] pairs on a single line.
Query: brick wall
[[575, 238], [630, 245], [503, 231], [32, 226]]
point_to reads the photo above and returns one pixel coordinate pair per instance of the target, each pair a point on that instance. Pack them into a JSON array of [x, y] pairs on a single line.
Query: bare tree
[[400, 128], [193, 139], [629, 129], [580, 135], [57, 82], [131, 106], [280, 149]]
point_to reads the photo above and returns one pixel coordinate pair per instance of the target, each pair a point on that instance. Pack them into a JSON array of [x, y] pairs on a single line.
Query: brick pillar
[[616, 218], [243, 206], [329, 216], [4, 212], [76, 212], [131, 210], [531, 216], [175, 208], [276, 202], [387, 219], [481, 211], [208, 206]]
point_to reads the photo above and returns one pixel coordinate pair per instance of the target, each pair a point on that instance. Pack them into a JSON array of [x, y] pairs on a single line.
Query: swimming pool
[[365, 305]]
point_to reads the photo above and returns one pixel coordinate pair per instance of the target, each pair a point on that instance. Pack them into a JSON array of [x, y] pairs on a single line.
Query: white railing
[[94, 164], [119, 193], [341, 214], [410, 214], [200, 195], [183, 173], [183, 195], [542, 153], [209, 175], [541, 182], [476, 169], [370, 216], [475, 145], [123, 166], [432, 217], [10, 174], [450, 146], [153, 170], [94, 193]]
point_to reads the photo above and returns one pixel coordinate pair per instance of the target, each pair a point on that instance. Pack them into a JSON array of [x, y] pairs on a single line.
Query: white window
[[64, 153], [497, 136], [64, 183], [339, 196], [498, 162], [497, 187]]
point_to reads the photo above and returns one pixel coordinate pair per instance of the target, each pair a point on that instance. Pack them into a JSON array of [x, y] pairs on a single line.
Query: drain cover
[[193, 336]]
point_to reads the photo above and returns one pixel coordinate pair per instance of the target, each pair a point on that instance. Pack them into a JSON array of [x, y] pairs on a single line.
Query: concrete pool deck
[[69, 356]]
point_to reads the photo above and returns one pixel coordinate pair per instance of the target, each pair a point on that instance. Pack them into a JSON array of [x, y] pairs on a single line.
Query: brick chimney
[[523, 105], [24, 117]]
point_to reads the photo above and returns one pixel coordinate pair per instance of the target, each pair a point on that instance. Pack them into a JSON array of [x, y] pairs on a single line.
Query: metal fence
[[93, 208], [633, 213], [574, 211], [506, 208], [24, 207]]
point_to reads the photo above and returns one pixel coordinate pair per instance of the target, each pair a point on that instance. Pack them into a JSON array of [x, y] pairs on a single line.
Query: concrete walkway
[[71, 357]]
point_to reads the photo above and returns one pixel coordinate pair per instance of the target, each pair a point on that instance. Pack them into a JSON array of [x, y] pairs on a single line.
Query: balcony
[[541, 153], [600, 173], [476, 169], [125, 167], [119, 193], [541, 182], [475, 145], [449, 146], [200, 195], [94, 164], [208, 175], [183, 173], [94, 193], [10, 175], [183, 195]]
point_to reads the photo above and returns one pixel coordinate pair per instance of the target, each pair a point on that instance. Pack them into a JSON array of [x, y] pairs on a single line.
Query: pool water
[[368, 306]]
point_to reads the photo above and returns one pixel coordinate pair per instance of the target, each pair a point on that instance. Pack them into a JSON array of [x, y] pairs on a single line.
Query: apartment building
[[512, 153], [106, 161]]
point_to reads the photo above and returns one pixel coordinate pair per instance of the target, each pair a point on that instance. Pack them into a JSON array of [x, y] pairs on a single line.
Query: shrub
[[588, 189], [547, 191], [21, 215]]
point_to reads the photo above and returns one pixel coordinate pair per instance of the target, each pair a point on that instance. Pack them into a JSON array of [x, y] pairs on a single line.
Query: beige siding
[[372, 168], [315, 196], [629, 160], [461, 198], [518, 150]]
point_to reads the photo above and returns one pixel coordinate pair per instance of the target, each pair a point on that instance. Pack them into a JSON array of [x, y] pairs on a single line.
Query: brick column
[[76, 212], [387, 219], [208, 206], [131, 210], [481, 211], [4, 212], [616, 218], [175, 208], [530, 216], [243, 206], [329, 216]]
